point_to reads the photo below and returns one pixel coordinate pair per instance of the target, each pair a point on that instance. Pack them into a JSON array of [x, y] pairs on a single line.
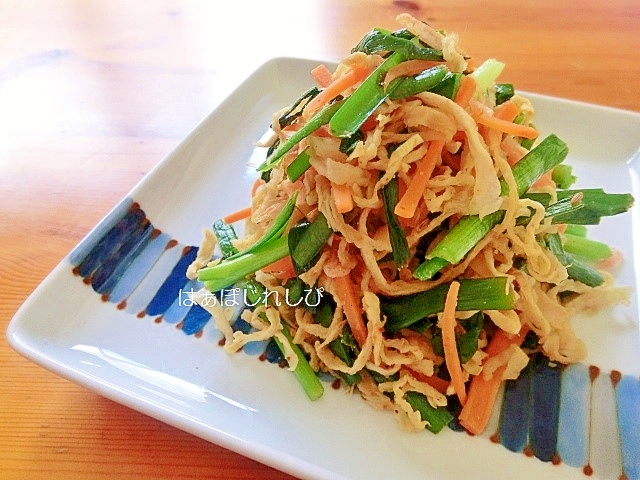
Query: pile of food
[[412, 235]]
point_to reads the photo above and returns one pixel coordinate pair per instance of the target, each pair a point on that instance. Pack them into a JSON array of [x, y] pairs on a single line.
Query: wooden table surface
[[93, 94]]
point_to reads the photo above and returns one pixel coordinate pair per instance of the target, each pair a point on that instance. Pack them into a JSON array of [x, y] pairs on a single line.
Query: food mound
[[411, 234]]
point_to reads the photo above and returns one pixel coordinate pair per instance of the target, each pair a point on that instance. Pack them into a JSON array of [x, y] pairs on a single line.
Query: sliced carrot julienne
[[482, 391], [406, 207], [339, 85], [282, 269], [322, 75], [342, 197], [507, 111], [237, 215], [506, 126], [345, 291], [440, 384], [451, 357], [466, 90]]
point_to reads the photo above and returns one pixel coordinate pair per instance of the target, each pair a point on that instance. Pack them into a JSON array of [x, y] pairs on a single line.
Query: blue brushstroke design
[[171, 287], [574, 416], [94, 237], [196, 319], [628, 399], [113, 239], [139, 267], [182, 303], [545, 405], [109, 273], [515, 416]]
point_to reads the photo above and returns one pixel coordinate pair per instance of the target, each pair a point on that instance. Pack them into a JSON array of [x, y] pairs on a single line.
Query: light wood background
[[94, 93]]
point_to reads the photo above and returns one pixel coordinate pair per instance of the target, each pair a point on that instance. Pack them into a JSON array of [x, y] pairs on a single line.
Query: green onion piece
[[486, 74], [300, 165], [576, 230], [276, 229], [585, 248], [348, 144], [504, 92], [363, 101], [289, 117], [474, 294], [403, 87], [399, 245], [319, 119], [225, 235], [230, 271], [579, 271], [448, 86], [471, 229], [549, 153], [379, 40], [597, 204], [466, 342], [464, 235], [303, 372], [436, 418], [563, 177], [306, 242]]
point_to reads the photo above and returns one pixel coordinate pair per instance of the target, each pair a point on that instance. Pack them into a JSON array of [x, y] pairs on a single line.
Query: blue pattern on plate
[[550, 412]]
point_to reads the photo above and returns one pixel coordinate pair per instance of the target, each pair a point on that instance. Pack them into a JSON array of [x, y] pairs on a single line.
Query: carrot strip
[[451, 357], [407, 204], [466, 90], [282, 269], [483, 392], [237, 215], [507, 111], [506, 126], [352, 308], [342, 197], [339, 85], [322, 75], [440, 384]]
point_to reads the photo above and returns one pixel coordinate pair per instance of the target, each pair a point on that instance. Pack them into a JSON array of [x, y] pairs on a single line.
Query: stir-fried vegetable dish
[[411, 234]]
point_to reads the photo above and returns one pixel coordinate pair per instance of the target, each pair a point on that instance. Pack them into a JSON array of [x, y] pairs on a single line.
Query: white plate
[[253, 407]]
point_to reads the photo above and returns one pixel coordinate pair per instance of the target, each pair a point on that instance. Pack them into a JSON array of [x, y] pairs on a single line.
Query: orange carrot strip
[[282, 269], [451, 357], [339, 85], [345, 291], [407, 204], [342, 197], [322, 75], [237, 215], [506, 126], [483, 392], [466, 90], [507, 111], [440, 384]]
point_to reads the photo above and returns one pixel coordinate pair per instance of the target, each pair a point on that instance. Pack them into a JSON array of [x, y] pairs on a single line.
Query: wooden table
[[93, 94]]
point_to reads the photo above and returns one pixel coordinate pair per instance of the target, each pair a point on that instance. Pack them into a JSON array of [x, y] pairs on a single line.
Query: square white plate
[[148, 362]]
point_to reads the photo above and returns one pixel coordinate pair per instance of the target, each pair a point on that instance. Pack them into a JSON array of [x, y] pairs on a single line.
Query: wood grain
[[93, 94]]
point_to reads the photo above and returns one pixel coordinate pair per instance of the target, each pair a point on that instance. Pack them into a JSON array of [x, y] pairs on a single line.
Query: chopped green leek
[[597, 204], [448, 86], [399, 245], [504, 92], [225, 234], [319, 119], [303, 372], [474, 294], [585, 248], [363, 101], [300, 165], [577, 270], [563, 176], [403, 87], [306, 242], [486, 74], [436, 417], [379, 40]]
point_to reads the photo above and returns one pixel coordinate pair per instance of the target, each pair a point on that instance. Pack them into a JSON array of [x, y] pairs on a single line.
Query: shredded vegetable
[[413, 200]]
